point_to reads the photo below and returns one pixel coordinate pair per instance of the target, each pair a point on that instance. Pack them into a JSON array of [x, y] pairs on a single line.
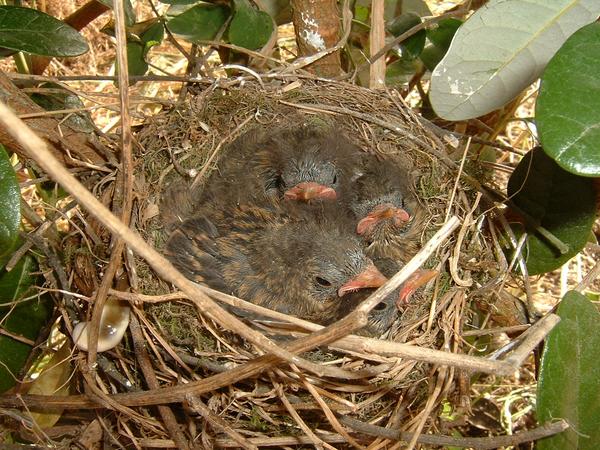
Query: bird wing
[[193, 249]]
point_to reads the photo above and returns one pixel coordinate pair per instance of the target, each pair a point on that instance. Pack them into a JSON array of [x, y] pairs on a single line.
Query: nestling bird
[[303, 163], [176, 205], [385, 312], [281, 257], [381, 316], [389, 217]]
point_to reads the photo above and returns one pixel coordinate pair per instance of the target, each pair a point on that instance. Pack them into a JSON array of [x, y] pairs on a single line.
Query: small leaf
[[32, 31], [562, 203], [569, 380], [59, 99], [500, 50], [25, 319], [10, 198], [153, 36], [53, 380], [361, 13], [401, 71], [199, 23], [249, 28], [441, 36], [440, 39], [568, 106], [135, 59], [413, 46], [129, 11]]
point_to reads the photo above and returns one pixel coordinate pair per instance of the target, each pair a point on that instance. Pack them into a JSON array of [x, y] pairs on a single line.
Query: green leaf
[[400, 71], [129, 11], [361, 13], [568, 106], [25, 319], [199, 23], [135, 58], [439, 42], [153, 36], [249, 28], [59, 99], [32, 31], [10, 198], [562, 203], [413, 46], [569, 380], [441, 36], [500, 50]]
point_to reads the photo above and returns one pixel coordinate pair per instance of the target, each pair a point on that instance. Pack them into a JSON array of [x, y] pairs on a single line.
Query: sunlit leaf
[[33, 31], [500, 50], [249, 28], [10, 198], [53, 380], [562, 203], [18, 317], [568, 106], [569, 380]]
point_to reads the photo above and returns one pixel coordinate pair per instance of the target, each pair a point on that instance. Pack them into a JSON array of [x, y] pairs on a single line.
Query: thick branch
[[58, 136], [317, 26]]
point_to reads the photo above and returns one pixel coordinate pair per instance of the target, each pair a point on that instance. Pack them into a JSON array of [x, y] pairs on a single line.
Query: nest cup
[[185, 143]]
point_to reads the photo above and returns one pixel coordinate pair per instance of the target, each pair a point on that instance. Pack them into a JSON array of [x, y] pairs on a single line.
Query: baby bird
[[296, 262], [381, 316], [303, 163], [388, 213]]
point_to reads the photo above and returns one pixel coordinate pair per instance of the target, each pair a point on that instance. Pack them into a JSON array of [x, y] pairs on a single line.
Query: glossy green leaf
[[199, 23], [249, 28], [439, 38], [500, 50], [10, 198], [25, 319], [569, 380], [562, 203], [441, 35], [413, 46], [568, 106], [32, 31]]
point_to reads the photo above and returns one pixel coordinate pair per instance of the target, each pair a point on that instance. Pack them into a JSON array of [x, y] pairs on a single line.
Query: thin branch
[[481, 443]]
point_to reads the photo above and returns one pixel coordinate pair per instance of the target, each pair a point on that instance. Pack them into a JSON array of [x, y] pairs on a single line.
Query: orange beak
[[310, 190], [371, 277], [414, 282], [379, 213]]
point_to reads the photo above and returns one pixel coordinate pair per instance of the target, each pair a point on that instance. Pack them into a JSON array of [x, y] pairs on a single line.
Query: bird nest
[[283, 404], [352, 390]]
